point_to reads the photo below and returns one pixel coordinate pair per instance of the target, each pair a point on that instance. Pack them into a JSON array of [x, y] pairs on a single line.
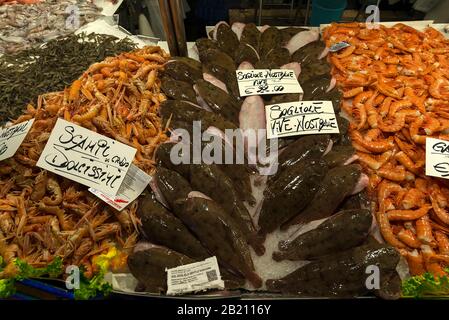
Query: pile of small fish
[[43, 216], [395, 86], [27, 25], [199, 210], [27, 74]]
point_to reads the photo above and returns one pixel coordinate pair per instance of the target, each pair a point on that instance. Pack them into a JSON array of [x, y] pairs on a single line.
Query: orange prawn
[[397, 173], [408, 214], [431, 266], [386, 231], [424, 230], [443, 242], [442, 214], [378, 146], [404, 159], [415, 263], [413, 198], [409, 238]]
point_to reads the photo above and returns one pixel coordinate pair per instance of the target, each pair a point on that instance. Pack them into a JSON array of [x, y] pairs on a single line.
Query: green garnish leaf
[[7, 288], [53, 269], [91, 288], [425, 285]]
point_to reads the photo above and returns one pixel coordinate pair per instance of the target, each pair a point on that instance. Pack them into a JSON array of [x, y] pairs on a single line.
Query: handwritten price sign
[[437, 158], [264, 81], [12, 137], [86, 157], [300, 118]]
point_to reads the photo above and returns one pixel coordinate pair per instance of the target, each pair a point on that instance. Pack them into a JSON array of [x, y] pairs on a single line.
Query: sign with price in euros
[[87, 157], [300, 118], [265, 81]]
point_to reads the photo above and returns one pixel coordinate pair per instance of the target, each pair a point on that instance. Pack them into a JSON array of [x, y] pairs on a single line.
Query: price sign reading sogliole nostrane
[[267, 81]]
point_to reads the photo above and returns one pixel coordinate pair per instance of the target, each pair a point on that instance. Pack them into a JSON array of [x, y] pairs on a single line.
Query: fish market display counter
[[354, 199], [271, 163]]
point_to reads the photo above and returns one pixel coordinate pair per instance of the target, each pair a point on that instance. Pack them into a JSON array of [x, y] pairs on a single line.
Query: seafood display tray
[[442, 27], [54, 289], [216, 53], [310, 229]]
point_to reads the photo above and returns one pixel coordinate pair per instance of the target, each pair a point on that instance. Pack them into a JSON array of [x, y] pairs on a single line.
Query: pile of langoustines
[[44, 216]]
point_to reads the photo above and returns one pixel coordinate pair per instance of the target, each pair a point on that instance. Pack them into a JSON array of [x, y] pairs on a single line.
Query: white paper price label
[[339, 46], [108, 7], [87, 157], [133, 185], [194, 277], [300, 118], [12, 137], [265, 81], [437, 158]]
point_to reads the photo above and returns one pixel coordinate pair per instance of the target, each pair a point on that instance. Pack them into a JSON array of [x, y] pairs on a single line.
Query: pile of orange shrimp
[[395, 84], [43, 216]]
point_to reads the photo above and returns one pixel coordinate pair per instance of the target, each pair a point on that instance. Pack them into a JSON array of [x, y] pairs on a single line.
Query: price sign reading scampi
[[300, 118], [266, 81], [86, 157]]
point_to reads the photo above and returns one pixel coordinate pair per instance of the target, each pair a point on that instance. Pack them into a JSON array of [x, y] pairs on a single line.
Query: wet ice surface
[[265, 266]]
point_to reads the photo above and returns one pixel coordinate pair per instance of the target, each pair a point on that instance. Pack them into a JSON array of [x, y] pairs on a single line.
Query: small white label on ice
[[108, 7], [437, 158], [265, 81], [87, 157], [300, 118], [193, 277], [133, 185], [12, 137], [338, 46]]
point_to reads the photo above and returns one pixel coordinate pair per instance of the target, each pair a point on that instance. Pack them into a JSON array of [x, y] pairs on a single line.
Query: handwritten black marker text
[[3, 148], [441, 147], [302, 117], [8, 133], [84, 170], [265, 74], [73, 141], [442, 168], [276, 112], [267, 81]]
